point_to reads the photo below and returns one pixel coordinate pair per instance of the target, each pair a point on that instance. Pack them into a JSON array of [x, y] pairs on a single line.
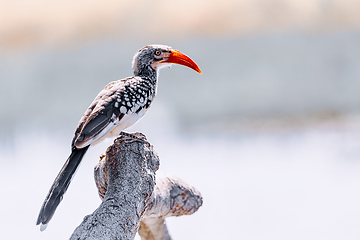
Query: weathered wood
[[154, 229], [129, 173], [125, 180], [171, 197]]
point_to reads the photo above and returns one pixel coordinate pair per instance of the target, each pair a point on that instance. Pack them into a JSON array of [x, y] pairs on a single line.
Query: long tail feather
[[60, 186]]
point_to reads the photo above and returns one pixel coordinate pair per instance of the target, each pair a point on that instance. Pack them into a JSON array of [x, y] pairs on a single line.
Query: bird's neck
[[147, 73]]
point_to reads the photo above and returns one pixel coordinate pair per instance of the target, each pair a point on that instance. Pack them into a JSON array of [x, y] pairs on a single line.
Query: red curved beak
[[180, 58]]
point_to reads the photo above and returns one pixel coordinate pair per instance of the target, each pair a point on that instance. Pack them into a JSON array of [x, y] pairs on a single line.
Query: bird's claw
[[133, 137]]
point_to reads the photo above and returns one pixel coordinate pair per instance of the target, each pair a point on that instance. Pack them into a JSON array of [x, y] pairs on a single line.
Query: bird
[[119, 105]]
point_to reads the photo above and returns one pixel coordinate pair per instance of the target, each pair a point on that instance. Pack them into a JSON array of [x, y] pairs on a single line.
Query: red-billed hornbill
[[118, 106]]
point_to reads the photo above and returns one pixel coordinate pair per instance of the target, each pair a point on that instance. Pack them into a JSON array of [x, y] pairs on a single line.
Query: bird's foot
[[132, 136]]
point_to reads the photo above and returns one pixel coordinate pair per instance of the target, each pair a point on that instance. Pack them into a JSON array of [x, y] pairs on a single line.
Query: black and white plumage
[[118, 106]]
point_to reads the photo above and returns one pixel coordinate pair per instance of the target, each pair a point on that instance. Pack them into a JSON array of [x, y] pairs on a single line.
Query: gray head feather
[[145, 57]]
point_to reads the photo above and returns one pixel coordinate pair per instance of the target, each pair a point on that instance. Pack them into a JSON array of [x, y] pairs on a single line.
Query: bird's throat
[[147, 73]]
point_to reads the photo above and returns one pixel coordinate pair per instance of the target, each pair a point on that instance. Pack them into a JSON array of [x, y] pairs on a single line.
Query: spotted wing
[[99, 118]]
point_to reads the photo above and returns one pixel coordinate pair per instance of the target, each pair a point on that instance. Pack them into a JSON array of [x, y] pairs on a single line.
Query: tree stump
[[125, 179]]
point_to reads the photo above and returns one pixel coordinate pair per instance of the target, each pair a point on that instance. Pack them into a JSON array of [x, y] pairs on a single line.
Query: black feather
[[60, 185]]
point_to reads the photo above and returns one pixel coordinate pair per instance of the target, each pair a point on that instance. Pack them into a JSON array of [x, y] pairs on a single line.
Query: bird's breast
[[132, 104], [120, 107], [126, 121]]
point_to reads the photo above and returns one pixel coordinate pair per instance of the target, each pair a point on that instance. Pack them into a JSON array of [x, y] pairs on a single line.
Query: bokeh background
[[269, 133]]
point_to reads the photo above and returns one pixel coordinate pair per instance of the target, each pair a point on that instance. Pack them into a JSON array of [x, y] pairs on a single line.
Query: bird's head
[[153, 57]]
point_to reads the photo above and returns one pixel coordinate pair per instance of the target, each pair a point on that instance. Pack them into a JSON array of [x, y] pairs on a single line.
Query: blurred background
[[269, 133]]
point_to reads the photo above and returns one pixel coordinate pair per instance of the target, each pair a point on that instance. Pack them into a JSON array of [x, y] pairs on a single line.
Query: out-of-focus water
[[284, 74], [301, 184], [259, 180]]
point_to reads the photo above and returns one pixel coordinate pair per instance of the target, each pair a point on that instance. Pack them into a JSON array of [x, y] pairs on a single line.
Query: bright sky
[[24, 22]]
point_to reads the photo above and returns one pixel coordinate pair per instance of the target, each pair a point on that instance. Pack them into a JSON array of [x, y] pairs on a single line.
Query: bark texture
[[128, 170], [125, 179], [171, 197]]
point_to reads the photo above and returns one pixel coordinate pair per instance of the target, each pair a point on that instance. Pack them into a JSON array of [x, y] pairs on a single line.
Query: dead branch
[[125, 180]]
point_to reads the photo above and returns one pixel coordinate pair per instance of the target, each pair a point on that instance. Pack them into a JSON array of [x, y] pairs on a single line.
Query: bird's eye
[[157, 53]]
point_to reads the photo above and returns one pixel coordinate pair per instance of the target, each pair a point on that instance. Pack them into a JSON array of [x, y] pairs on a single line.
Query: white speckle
[[123, 109], [43, 227], [123, 102], [150, 97], [116, 104], [139, 90], [129, 104], [142, 99], [126, 98], [119, 99]]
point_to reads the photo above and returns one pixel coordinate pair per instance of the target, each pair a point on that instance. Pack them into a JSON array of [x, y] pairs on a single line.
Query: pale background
[[269, 133]]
